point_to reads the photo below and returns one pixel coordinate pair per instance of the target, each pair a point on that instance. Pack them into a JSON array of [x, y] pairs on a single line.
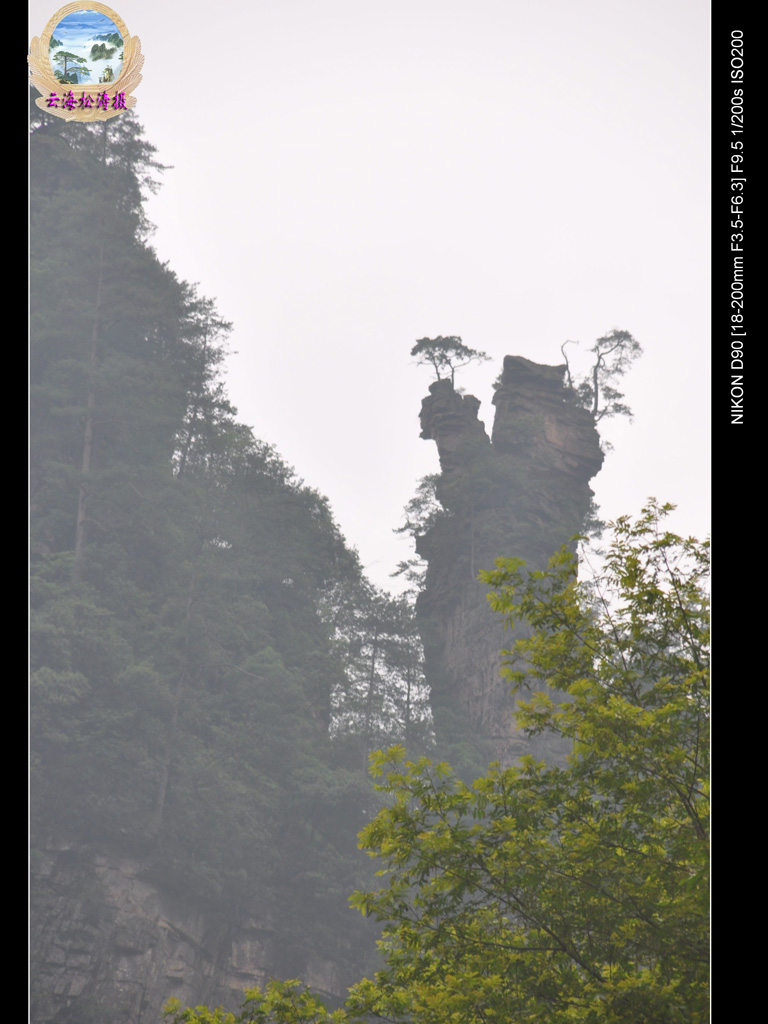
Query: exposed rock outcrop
[[110, 944], [521, 493]]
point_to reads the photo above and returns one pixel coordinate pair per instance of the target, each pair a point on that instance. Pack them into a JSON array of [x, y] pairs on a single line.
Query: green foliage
[[382, 698], [283, 1002], [445, 354], [578, 893], [70, 66], [613, 353], [424, 509], [568, 894]]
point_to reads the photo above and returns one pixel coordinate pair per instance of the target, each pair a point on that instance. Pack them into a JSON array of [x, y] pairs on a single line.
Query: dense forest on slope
[[209, 667]]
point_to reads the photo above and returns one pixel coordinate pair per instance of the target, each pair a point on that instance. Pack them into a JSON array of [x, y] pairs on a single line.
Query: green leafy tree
[[577, 893], [446, 355], [560, 894]]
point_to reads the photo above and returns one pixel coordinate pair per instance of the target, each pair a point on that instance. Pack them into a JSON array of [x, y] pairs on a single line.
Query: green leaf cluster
[[281, 1002]]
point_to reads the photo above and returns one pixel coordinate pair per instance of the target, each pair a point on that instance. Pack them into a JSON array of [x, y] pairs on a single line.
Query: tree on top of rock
[[445, 355], [614, 354]]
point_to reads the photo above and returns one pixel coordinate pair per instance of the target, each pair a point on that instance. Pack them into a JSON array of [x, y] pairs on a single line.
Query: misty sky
[[352, 175]]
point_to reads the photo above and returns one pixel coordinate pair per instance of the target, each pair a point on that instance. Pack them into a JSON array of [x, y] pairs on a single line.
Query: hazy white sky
[[352, 175]]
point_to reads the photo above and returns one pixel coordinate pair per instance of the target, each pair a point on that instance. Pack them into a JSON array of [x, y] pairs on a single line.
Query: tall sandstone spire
[[522, 493]]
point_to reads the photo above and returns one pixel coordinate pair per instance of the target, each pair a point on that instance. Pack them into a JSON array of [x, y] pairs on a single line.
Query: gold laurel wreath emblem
[[44, 80]]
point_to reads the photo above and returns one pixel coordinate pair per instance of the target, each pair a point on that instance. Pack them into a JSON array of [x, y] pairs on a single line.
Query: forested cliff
[[210, 667]]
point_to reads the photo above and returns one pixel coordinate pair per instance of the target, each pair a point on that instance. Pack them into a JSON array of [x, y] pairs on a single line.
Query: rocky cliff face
[[522, 493], [110, 944]]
